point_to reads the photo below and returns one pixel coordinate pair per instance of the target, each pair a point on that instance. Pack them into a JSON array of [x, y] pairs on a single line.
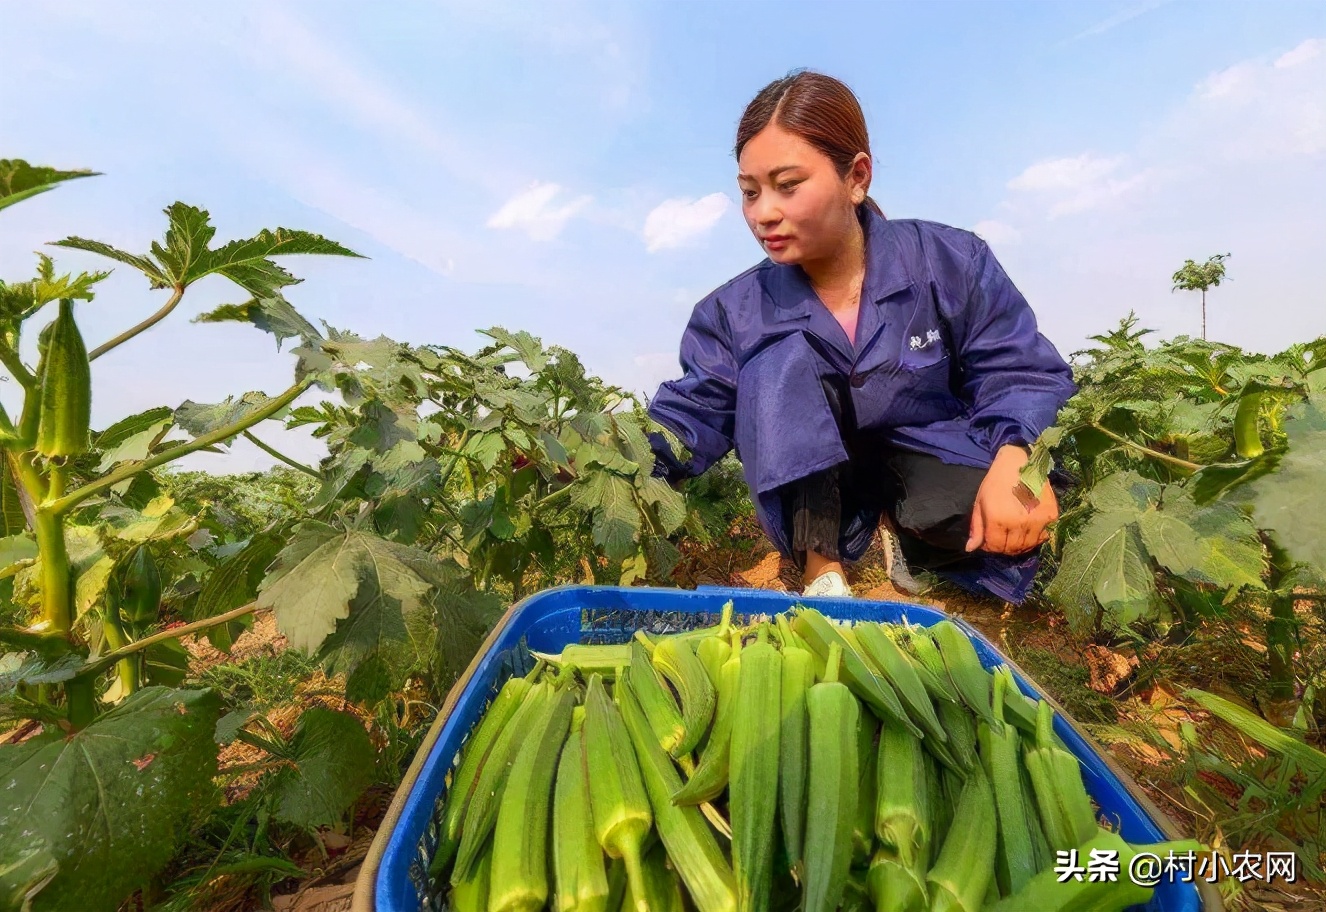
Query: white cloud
[[997, 233], [1077, 184], [1117, 19], [1259, 110], [1308, 50], [533, 211], [678, 222]]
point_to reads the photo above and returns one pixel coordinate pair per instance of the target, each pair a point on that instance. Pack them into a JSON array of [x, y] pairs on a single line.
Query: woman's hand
[[1006, 519]]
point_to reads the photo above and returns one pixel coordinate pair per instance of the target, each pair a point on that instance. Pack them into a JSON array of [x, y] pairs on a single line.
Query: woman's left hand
[[1006, 519]]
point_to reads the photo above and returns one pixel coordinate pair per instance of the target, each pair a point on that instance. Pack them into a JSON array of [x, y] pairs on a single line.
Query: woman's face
[[795, 203]]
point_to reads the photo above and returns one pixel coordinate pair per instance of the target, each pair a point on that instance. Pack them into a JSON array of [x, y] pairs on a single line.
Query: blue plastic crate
[[394, 876]]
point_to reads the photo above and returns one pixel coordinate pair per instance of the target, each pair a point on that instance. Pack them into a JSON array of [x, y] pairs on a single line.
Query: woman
[[867, 367]]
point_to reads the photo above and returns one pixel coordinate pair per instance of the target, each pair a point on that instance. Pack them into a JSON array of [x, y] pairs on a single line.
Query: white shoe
[[830, 583]]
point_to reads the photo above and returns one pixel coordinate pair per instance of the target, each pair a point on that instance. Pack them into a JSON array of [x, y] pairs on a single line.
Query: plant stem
[[1282, 628], [99, 665], [14, 364], [74, 498], [276, 454], [57, 589], [141, 327], [1154, 454]]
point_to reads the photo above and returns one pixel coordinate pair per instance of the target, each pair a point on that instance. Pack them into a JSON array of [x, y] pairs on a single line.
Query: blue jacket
[[948, 362]]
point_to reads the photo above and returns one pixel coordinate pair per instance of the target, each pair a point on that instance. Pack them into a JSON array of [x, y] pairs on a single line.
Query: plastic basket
[[394, 875]]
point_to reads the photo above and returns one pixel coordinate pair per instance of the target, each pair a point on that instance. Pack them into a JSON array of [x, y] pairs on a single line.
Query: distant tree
[[1193, 277]]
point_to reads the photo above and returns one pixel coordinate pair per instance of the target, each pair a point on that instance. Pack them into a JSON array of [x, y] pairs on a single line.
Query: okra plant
[[450, 487], [1197, 466]]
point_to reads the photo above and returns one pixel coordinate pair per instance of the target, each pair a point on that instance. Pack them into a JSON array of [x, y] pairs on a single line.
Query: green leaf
[[15, 548], [528, 347], [233, 583], [1036, 473], [1124, 491], [1217, 544], [139, 446], [361, 601], [20, 180], [670, 505], [12, 519], [1103, 568], [23, 299], [24, 872], [616, 520], [155, 276], [485, 449], [247, 263], [199, 419], [111, 801], [32, 669], [333, 764], [1281, 500], [271, 314]]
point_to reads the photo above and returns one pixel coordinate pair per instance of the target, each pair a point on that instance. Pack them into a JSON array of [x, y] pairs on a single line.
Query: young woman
[[868, 367]]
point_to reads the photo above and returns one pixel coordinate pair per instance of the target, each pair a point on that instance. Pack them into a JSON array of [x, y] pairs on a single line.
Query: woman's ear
[[858, 178]]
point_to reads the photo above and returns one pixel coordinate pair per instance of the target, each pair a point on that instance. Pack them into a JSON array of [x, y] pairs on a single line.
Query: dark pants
[[926, 502]]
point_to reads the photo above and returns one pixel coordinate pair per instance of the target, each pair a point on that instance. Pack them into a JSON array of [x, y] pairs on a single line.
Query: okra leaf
[[20, 300], [1216, 544], [269, 313], [24, 872], [247, 263], [332, 765], [155, 276], [1280, 500], [233, 583], [199, 419], [15, 548], [528, 347], [20, 180], [372, 608], [1103, 566], [12, 519], [110, 802], [137, 446]]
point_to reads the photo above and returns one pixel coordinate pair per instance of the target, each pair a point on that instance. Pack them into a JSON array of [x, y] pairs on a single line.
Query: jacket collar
[[795, 304]]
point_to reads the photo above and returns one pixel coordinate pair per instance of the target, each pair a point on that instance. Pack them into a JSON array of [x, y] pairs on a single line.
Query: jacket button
[[857, 381]]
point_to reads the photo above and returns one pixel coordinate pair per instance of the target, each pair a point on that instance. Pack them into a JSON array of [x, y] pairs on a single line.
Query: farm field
[[211, 685]]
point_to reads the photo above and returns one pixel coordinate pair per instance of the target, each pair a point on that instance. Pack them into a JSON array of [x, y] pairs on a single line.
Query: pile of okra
[[795, 763]]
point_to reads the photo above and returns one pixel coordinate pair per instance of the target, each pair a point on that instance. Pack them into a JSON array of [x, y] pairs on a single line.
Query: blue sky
[[566, 168]]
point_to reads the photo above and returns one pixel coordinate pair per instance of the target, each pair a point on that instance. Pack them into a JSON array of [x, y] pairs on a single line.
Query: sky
[[567, 168]]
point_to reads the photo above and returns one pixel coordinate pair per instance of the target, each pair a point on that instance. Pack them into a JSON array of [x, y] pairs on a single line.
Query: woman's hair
[[819, 109]]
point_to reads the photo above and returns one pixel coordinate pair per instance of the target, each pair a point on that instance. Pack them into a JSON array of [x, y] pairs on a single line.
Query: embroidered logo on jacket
[[916, 343]]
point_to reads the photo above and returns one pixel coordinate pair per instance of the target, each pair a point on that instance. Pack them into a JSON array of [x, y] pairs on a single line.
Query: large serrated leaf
[[1123, 491], [155, 276], [617, 520], [1100, 551], [20, 180], [233, 583], [528, 347], [332, 760], [199, 419], [138, 446], [370, 607], [111, 801], [247, 263], [1281, 500], [1216, 545], [670, 505], [187, 236], [269, 313]]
